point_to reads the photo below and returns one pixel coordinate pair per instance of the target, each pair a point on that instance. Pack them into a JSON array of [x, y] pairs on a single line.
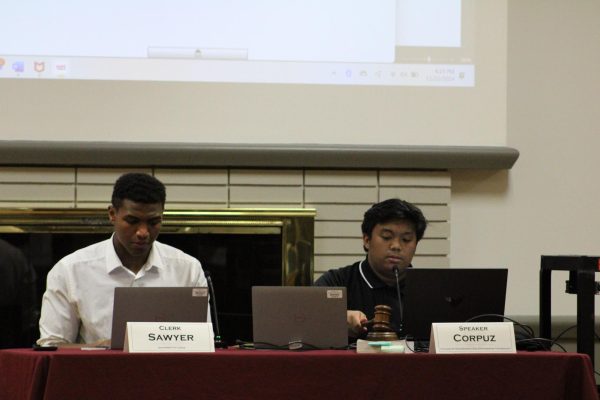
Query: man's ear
[[112, 214], [366, 241]]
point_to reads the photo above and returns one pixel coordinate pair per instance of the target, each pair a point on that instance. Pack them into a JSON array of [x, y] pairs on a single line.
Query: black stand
[[581, 282], [219, 343]]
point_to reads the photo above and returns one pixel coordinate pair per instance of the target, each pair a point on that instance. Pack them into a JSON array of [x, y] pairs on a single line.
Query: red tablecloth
[[249, 374]]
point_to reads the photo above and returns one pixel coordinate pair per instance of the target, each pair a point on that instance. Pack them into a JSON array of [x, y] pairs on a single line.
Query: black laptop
[[451, 295]]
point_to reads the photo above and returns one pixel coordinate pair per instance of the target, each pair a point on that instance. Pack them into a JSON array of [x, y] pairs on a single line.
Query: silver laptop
[[156, 304], [299, 317], [451, 295]]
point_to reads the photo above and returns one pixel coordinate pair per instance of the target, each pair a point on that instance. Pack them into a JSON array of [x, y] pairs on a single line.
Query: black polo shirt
[[364, 290]]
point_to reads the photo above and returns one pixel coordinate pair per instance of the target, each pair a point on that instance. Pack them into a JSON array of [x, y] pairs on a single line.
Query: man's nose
[[142, 230], [396, 244]]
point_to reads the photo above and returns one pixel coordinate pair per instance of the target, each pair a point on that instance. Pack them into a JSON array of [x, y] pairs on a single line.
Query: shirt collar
[[113, 261], [367, 274]]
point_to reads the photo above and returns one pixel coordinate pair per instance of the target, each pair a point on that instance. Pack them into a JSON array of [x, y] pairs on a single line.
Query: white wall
[[549, 202]]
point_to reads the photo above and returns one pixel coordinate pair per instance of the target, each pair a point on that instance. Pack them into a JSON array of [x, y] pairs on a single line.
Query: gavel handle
[[366, 323]]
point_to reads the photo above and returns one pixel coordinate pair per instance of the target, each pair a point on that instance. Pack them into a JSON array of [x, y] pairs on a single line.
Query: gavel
[[381, 321], [381, 324]]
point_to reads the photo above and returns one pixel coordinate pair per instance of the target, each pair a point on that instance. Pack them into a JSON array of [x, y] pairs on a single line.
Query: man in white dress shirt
[[78, 303]]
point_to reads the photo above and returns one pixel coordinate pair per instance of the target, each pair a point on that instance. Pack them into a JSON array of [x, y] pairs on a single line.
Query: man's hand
[[356, 321]]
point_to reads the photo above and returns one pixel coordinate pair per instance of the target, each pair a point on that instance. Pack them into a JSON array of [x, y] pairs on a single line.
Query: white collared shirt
[[77, 306]]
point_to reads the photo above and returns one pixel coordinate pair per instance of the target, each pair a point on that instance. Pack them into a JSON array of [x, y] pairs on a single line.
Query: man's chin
[[139, 251]]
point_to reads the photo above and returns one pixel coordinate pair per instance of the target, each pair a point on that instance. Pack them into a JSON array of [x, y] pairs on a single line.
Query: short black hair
[[393, 210], [140, 188]]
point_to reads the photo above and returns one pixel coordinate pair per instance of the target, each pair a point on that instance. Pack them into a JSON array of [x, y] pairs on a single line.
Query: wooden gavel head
[[381, 321]]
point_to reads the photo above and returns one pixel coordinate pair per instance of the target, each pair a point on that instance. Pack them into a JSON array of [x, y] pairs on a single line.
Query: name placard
[[472, 337], [169, 337]]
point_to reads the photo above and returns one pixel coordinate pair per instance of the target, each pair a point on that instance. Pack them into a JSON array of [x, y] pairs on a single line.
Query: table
[[263, 374]]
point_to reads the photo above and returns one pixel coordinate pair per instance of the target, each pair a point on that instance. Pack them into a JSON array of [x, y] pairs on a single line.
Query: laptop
[[156, 304], [299, 317], [451, 295]]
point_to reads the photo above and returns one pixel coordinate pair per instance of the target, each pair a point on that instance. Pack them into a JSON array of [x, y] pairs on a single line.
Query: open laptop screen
[[156, 304], [308, 317], [451, 295]]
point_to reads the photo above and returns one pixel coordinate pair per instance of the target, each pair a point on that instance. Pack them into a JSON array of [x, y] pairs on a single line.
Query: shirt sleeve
[[59, 321]]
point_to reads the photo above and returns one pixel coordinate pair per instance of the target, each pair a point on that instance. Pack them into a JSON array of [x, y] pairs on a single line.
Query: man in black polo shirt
[[391, 231]]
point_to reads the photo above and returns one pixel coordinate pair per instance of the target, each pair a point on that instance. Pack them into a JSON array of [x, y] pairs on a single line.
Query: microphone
[[219, 343], [401, 324]]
